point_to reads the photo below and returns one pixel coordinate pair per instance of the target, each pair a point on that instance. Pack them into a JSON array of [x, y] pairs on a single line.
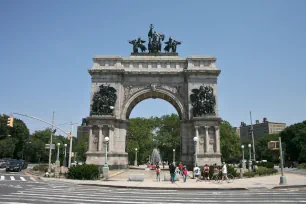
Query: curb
[[166, 188], [289, 186]]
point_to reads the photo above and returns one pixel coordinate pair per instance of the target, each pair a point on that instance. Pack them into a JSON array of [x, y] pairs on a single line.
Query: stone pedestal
[[99, 128], [105, 172]]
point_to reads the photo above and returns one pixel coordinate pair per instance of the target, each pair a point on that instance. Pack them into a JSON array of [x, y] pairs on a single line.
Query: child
[[185, 172], [157, 173]]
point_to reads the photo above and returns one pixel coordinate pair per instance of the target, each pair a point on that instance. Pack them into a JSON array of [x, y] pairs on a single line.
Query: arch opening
[[147, 94]]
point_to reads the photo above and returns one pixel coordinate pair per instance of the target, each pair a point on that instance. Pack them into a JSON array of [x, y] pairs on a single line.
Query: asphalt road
[[59, 192]]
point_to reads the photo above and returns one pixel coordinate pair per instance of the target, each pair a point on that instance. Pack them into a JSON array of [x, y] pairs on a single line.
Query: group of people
[[206, 170], [177, 170], [181, 169]]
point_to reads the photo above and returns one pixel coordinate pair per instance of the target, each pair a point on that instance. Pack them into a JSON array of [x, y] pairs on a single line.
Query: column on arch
[[100, 138], [197, 135], [90, 139], [217, 133], [206, 139]]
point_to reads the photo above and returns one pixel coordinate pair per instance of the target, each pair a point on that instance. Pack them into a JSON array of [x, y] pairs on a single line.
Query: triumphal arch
[[120, 83]]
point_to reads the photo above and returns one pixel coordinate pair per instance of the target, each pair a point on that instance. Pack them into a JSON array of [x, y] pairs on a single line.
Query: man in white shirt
[[197, 173], [224, 172]]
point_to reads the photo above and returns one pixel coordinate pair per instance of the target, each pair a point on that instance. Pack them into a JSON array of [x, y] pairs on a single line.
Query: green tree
[[229, 143], [168, 136], [81, 146], [294, 137], [140, 135], [7, 147], [262, 150], [19, 134]]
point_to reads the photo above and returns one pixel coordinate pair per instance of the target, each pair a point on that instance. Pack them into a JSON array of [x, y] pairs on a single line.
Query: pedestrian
[[197, 173], [163, 164], [224, 172], [185, 172], [172, 172], [157, 173], [206, 172], [181, 168]]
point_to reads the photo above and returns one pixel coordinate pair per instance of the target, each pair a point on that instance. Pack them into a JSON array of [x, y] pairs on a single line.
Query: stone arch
[[157, 93]]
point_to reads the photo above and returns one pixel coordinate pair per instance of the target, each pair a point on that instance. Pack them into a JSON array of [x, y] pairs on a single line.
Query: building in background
[[237, 131], [259, 129], [83, 129]]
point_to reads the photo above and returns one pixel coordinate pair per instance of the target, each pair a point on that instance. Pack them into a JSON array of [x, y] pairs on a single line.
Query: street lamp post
[[64, 162], [283, 179], [195, 139], [57, 157], [135, 162], [174, 157], [250, 157], [105, 167], [243, 162]]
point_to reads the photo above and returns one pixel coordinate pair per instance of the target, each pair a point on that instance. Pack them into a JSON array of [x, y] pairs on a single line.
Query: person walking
[[224, 172], [181, 168], [172, 172], [157, 173], [197, 173], [185, 172], [206, 172]]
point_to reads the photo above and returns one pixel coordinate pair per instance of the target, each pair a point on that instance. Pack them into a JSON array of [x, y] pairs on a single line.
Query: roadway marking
[[12, 178], [2, 178], [32, 179], [22, 179]]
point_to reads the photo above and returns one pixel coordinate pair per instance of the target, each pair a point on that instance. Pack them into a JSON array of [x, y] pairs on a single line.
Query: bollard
[[241, 172]]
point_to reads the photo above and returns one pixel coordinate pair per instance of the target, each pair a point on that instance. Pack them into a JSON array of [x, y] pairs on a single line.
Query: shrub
[[41, 167], [84, 172], [269, 165], [249, 174], [302, 166], [231, 170], [262, 170]]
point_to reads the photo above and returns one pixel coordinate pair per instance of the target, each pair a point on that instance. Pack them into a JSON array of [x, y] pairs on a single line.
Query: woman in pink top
[[185, 172]]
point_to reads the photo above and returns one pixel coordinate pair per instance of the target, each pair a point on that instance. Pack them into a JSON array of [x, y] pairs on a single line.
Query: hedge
[[269, 165], [84, 172]]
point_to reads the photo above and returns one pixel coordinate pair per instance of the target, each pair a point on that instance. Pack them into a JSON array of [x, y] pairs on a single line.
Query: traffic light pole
[[70, 148], [50, 148], [53, 126], [254, 158]]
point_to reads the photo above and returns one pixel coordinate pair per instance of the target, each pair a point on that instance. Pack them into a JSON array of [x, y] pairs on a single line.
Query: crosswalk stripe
[[12, 178], [2, 178], [32, 179], [23, 179]]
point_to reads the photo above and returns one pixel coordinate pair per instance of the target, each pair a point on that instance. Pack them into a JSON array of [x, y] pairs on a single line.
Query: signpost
[[273, 146], [48, 146]]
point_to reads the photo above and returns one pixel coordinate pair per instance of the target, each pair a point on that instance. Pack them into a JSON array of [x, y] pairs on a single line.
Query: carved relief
[[129, 90]]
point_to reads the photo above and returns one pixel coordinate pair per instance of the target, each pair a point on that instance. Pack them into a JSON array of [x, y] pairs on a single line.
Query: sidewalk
[[265, 182]]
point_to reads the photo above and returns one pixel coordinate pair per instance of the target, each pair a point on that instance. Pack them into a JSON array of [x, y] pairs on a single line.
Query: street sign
[[272, 145], [48, 146]]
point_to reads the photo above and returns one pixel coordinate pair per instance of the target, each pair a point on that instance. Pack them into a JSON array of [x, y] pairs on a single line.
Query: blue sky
[[46, 48]]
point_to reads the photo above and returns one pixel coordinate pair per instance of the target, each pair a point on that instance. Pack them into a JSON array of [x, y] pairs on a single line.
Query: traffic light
[[69, 135], [10, 121]]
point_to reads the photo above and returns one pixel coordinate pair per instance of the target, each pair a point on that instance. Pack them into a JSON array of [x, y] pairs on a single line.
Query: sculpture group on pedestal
[[104, 100], [154, 43], [203, 101]]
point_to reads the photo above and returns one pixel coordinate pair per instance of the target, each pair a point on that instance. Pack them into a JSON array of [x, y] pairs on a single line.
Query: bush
[[261, 170], [302, 166], [268, 165], [41, 167], [249, 174], [231, 170], [84, 172]]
